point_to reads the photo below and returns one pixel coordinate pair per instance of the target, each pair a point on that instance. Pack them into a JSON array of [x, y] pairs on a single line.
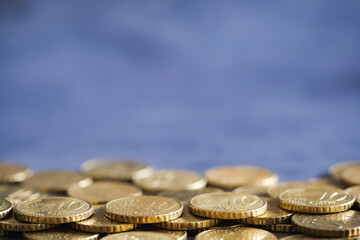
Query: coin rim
[[7, 210]]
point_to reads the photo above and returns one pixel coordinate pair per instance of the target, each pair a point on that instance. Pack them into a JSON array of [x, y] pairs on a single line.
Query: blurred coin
[[114, 169], [170, 180], [60, 233], [354, 190], [328, 180], [5, 208], [139, 235], [179, 235], [255, 190], [10, 172], [56, 181], [336, 170], [351, 176], [281, 227], [235, 233], [187, 195], [143, 209], [53, 210], [16, 194], [307, 237], [342, 224], [227, 205], [236, 176], [10, 223], [103, 191]]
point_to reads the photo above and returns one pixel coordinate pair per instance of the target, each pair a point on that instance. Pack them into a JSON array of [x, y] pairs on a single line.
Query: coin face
[[235, 233], [170, 180], [103, 191], [351, 176], [60, 233], [143, 209], [98, 223], [179, 235], [139, 235], [307, 237], [236, 176], [114, 169], [227, 205], [5, 208], [354, 190], [187, 195], [10, 223], [16, 194], [315, 200], [336, 170], [342, 224], [56, 181], [11, 173], [53, 210]]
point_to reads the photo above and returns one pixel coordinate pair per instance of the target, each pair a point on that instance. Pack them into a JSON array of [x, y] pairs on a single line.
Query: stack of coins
[[115, 199]]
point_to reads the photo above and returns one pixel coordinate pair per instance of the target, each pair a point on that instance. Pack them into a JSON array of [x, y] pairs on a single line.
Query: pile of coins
[[113, 199]]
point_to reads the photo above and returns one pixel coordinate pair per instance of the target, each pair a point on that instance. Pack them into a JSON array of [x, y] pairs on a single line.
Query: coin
[[56, 181], [114, 169], [336, 170], [170, 180], [10, 173], [236, 176], [227, 205], [188, 221], [342, 224], [255, 190], [179, 235], [358, 200], [5, 208], [328, 180], [273, 215], [281, 227], [103, 191], [139, 235], [53, 210], [10, 223], [316, 200], [60, 233], [16, 194], [143, 209], [98, 223], [307, 237], [187, 195], [235, 233], [351, 176], [354, 190]]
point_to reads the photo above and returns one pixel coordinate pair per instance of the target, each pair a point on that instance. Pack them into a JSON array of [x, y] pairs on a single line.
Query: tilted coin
[[59, 234], [170, 180], [56, 181], [98, 223], [10, 172], [336, 170], [10, 223], [103, 191], [5, 208], [255, 190], [342, 224], [143, 209], [227, 205], [351, 176], [316, 200], [187, 195], [114, 169], [281, 227], [139, 235], [273, 215], [307, 237], [16, 194], [236, 176], [53, 210], [235, 233]]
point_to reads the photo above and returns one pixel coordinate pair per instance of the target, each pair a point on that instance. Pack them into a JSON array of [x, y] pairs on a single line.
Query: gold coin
[[281, 227], [143, 209], [227, 205], [170, 180], [103, 191], [98, 223], [179, 235], [10, 173], [10, 223], [255, 190], [188, 221], [354, 190], [351, 176], [56, 181], [5, 208], [342, 224], [16, 194], [235, 233], [336, 170], [187, 195], [59, 234], [358, 200], [307, 237], [316, 200], [273, 215], [53, 210], [328, 180], [275, 191], [114, 169], [236, 176], [139, 235]]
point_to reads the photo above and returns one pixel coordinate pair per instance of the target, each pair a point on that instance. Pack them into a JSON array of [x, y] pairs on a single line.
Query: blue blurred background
[[181, 84]]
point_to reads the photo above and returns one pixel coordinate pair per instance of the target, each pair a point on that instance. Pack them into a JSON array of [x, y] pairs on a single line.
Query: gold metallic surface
[[307, 237], [179, 235], [137, 235], [281, 227], [18, 193], [351, 176], [354, 190], [255, 190], [10, 223], [11, 173], [235, 233], [336, 170], [60, 234], [227, 205], [187, 195], [5, 208]]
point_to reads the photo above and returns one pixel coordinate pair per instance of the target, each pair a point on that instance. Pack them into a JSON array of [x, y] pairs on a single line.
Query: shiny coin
[[307, 237], [236, 176], [103, 191], [235, 233], [16, 194], [336, 170], [255, 190], [342, 224], [187, 195], [139, 235], [170, 180], [316, 200], [60, 233], [53, 210], [56, 181], [114, 169], [351, 176], [281, 227], [10, 173], [10, 223], [227, 205], [143, 209], [179, 235], [98, 223], [5, 208], [273, 215], [354, 190]]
